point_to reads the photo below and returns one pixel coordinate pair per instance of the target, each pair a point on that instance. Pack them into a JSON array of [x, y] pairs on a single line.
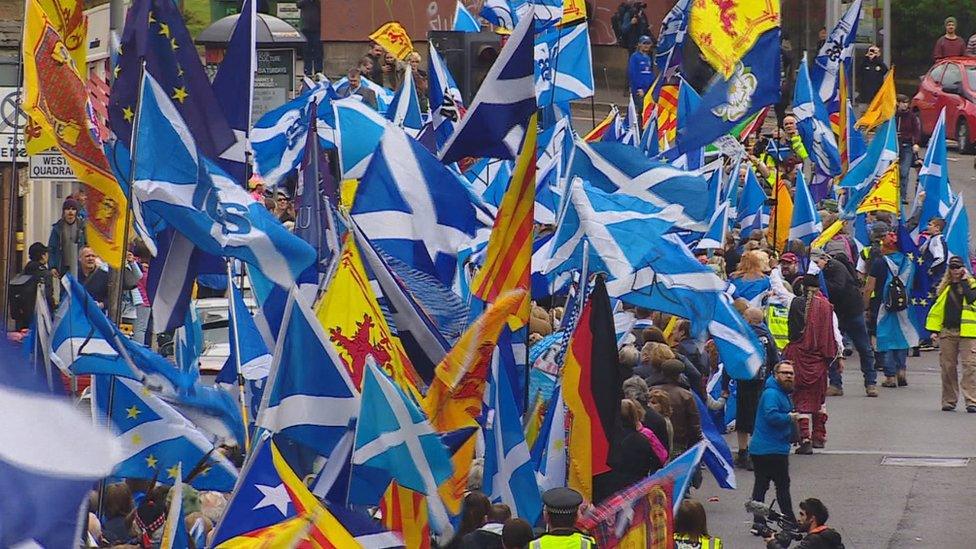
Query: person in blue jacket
[[640, 70], [770, 444]]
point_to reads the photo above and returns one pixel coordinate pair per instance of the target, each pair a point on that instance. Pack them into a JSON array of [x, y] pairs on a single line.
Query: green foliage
[[919, 23]]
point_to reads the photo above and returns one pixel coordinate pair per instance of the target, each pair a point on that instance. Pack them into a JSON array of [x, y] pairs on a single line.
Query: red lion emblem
[[360, 345]]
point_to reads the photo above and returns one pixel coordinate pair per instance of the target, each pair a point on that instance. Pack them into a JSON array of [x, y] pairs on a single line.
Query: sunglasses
[[955, 267]]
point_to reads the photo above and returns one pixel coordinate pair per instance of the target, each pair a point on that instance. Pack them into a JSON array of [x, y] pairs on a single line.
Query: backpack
[[22, 295], [897, 297]]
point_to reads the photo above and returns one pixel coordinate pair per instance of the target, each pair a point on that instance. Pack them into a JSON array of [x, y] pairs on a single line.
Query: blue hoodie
[[771, 434]]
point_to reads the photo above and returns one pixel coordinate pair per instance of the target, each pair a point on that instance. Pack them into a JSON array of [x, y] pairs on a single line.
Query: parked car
[[949, 84]]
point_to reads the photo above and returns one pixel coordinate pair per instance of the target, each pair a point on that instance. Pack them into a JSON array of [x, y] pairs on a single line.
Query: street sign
[[7, 149], [11, 115], [50, 166]]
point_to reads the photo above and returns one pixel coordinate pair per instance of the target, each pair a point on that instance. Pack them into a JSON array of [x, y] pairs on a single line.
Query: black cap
[[36, 250], [70, 203], [562, 500], [956, 261]]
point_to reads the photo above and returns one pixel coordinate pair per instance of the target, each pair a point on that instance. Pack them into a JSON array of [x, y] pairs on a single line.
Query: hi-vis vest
[[575, 540], [777, 319], [682, 541], [967, 323]]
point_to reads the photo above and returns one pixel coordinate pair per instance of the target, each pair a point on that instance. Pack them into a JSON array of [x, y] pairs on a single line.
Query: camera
[[788, 530]]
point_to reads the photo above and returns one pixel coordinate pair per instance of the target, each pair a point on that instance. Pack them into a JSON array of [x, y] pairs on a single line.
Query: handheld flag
[[805, 222], [360, 129], [563, 65], [957, 231], [674, 28], [884, 196], [463, 20], [446, 103], [404, 111], [883, 105], [814, 125], [933, 178], [394, 39], [835, 55], [175, 535], [234, 85], [725, 32]]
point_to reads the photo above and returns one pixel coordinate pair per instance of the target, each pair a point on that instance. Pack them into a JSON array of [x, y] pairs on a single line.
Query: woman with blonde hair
[[661, 402], [750, 280]]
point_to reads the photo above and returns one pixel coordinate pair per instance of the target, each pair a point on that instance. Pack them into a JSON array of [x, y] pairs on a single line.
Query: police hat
[[562, 500]]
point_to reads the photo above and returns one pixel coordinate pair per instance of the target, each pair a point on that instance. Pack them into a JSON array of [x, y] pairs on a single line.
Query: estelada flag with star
[[394, 39], [56, 100], [725, 30]]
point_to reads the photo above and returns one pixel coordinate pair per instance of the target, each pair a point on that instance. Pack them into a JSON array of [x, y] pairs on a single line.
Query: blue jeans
[[894, 361], [855, 328], [905, 159]]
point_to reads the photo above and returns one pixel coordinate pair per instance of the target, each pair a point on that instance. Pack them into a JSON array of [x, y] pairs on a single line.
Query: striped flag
[[667, 114], [508, 260], [405, 511], [604, 126]]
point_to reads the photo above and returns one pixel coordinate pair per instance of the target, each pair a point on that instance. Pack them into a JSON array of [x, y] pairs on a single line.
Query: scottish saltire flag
[[717, 456], [814, 125], [309, 395], [384, 96], [499, 13], [50, 457], [688, 102], [617, 168], [554, 142], [190, 192], [509, 473], [752, 211], [882, 151], [412, 207], [234, 85], [360, 129], [895, 329], [650, 141], [837, 50], [278, 137], [674, 28], [563, 65], [156, 439], [489, 178], [446, 103], [188, 341], [175, 535], [463, 20], [494, 125], [246, 342], [933, 178], [715, 236], [805, 225], [631, 126], [726, 103], [404, 110], [172, 273], [314, 220], [957, 231], [549, 451], [395, 441]]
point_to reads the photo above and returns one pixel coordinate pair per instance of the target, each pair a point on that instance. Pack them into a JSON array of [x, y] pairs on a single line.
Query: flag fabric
[[882, 107], [554, 146], [833, 55], [404, 511], [366, 532], [156, 439], [188, 340], [384, 95], [360, 129], [717, 455], [782, 214], [309, 395], [395, 441], [563, 65], [57, 102], [689, 158], [191, 193], [631, 126], [404, 110], [725, 32], [412, 207], [463, 20], [751, 211], [172, 273], [957, 231], [394, 39], [549, 452], [674, 29], [592, 391], [498, 13], [814, 125], [603, 127], [933, 177], [495, 123], [356, 326], [667, 107], [234, 85], [50, 456], [650, 141], [714, 238], [446, 103], [805, 222], [884, 196], [314, 220], [881, 152], [245, 342], [850, 143], [895, 329], [175, 535]]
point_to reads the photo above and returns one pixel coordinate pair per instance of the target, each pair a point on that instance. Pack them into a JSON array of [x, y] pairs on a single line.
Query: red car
[[950, 83]]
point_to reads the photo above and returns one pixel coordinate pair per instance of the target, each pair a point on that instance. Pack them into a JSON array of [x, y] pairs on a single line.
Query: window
[[971, 77], [952, 76], [935, 73]]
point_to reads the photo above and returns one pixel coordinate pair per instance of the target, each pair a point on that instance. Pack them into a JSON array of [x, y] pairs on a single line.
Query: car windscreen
[[971, 77]]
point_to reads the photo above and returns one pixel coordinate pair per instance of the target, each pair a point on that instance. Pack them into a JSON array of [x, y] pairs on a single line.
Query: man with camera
[[871, 75], [630, 23], [813, 521]]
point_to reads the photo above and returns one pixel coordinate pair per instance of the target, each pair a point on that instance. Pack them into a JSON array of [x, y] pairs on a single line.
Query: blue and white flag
[[805, 225], [509, 473], [563, 65], [549, 451], [404, 110], [175, 535], [314, 219], [156, 439], [172, 273], [495, 124], [860, 179], [714, 238], [957, 231], [489, 179], [50, 457], [360, 129], [690, 158], [546, 13], [192, 194], [499, 13], [233, 85], [674, 28], [837, 49], [245, 341], [463, 20], [188, 341], [412, 207], [895, 329], [631, 126], [933, 178], [814, 125], [554, 145], [717, 456], [309, 395], [650, 141], [446, 103], [752, 211], [384, 96]]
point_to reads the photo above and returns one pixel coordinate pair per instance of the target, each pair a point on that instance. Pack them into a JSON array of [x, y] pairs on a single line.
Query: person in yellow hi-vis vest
[[691, 527], [953, 318], [561, 507]]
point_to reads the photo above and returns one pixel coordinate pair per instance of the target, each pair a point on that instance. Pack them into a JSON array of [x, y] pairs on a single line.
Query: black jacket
[[871, 75], [42, 274], [825, 539], [843, 290]]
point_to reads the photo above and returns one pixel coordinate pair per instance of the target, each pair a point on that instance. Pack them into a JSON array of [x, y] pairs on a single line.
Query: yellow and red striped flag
[[405, 512], [596, 134], [508, 259], [648, 105], [667, 115]]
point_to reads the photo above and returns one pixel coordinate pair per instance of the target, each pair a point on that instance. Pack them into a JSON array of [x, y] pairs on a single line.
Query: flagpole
[[14, 175], [236, 342]]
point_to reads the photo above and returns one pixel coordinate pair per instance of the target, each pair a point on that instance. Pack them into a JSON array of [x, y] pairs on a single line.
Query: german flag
[[405, 511], [667, 114], [592, 391]]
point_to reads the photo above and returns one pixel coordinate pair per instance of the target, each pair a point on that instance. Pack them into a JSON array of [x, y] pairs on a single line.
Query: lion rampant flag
[[394, 39], [354, 322], [884, 196], [725, 30], [56, 99]]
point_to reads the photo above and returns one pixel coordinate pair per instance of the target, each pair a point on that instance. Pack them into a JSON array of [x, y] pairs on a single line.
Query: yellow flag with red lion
[[725, 30]]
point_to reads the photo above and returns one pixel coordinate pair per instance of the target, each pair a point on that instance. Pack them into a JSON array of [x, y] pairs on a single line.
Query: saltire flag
[[933, 177], [356, 326], [554, 145], [463, 20], [156, 439], [957, 231], [882, 152], [805, 223], [175, 535], [234, 85], [404, 511], [413, 208], [667, 56], [563, 65], [688, 102], [271, 504], [308, 396], [895, 329], [882, 107], [404, 110], [172, 274], [650, 141], [247, 343], [384, 96], [833, 55], [714, 238], [314, 220], [631, 126], [717, 455], [603, 127], [395, 441], [57, 102], [446, 103], [191, 193], [725, 33], [495, 124], [360, 129], [755, 83], [188, 344], [489, 179], [549, 451], [50, 457], [498, 13], [814, 125]]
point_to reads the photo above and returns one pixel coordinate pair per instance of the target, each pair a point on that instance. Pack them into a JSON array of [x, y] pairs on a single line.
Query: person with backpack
[[23, 289]]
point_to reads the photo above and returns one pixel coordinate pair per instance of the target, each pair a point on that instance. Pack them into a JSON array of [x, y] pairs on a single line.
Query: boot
[[819, 443], [805, 448], [902, 379], [834, 391], [871, 390], [889, 382], [740, 459]]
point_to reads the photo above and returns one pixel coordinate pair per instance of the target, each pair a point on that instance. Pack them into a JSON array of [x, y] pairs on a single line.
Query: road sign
[[50, 166], [10, 113], [7, 149]]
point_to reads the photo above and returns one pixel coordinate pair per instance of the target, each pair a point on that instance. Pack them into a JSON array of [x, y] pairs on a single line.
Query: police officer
[[561, 510]]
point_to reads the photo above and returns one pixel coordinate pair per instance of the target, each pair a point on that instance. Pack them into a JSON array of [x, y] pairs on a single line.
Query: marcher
[[376, 54], [813, 521], [750, 282], [749, 391], [770, 445], [516, 534], [635, 388], [949, 44], [953, 320], [691, 527], [932, 247], [909, 136], [629, 23], [38, 268], [355, 87], [311, 22], [560, 509], [631, 456], [871, 75], [489, 535], [685, 420], [474, 514], [66, 241], [640, 70]]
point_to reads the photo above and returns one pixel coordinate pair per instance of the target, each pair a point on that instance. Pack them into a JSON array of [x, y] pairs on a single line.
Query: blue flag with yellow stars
[[157, 442], [155, 32]]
